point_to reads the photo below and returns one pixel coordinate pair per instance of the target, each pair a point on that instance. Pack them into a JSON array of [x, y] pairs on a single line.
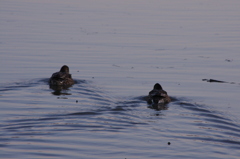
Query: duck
[[158, 95], [61, 78]]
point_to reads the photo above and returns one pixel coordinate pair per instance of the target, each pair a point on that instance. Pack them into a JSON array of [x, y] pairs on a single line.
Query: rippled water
[[85, 122], [116, 52]]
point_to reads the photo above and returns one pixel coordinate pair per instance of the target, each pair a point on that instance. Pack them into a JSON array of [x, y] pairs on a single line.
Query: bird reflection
[[60, 90]]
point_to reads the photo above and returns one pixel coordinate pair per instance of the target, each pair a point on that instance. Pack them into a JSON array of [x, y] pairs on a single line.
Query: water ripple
[[85, 116]]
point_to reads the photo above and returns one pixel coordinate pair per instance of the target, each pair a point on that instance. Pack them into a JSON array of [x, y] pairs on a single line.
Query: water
[[116, 52]]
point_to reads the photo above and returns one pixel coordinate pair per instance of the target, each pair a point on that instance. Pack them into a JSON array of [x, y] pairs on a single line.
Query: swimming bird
[[62, 78], [158, 95]]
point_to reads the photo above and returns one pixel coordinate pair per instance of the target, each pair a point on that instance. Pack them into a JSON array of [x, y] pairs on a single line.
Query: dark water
[[116, 52]]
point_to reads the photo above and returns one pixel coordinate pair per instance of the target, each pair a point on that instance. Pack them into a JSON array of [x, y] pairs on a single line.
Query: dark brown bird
[[62, 78], [158, 95]]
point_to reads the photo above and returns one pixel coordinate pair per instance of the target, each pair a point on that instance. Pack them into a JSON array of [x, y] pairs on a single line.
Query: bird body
[[62, 78], [158, 95]]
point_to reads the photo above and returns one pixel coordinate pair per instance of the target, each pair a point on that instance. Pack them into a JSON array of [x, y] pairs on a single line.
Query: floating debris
[[213, 80], [228, 60], [217, 81]]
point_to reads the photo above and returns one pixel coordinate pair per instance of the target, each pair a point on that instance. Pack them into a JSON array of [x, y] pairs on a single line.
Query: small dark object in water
[[62, 78], [158, 95], [228, 60], [213, 80], [76, 101], [217, 81], [169, 143]]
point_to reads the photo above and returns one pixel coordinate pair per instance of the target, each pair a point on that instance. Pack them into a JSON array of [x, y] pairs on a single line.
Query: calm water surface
[[116, 52]]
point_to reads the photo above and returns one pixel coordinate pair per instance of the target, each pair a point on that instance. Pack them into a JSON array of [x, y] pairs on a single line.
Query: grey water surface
[[117, 51]]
